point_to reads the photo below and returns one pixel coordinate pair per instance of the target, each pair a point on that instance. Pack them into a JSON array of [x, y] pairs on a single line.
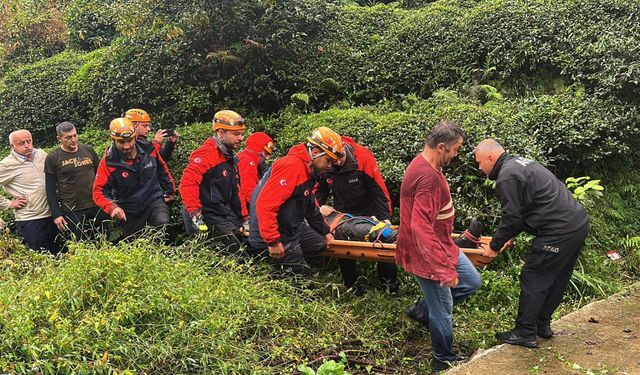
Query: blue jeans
[[438, 304]]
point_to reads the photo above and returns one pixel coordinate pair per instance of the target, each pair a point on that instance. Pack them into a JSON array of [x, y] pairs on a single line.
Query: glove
[[203, 229], [244, 229]]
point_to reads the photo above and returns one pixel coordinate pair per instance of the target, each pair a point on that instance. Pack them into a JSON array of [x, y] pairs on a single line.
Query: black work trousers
[[40, 234], [156, 215], [545, 276], [84, 224], [308, 244], [387, 273], [226, 236]]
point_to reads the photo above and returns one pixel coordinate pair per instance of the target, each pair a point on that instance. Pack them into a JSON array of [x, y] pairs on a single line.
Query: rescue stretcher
[[386, 252]]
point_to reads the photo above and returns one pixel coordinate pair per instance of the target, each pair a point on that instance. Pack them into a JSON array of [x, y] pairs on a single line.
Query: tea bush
[[36, 97]]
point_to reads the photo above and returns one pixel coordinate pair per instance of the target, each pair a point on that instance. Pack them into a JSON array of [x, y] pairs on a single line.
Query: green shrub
[[520, 46], [30, 30], [91, 23], [35, 97]]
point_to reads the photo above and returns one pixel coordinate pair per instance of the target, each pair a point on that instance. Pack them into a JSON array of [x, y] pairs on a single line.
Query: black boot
[[438, 365], [544, 331], [414, 312], [515, 337]]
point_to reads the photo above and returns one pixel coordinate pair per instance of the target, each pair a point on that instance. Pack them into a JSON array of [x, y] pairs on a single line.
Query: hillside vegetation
[[553, 80]]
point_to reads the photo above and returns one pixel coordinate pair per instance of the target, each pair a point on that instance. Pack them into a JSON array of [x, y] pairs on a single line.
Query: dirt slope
[[601, 338]]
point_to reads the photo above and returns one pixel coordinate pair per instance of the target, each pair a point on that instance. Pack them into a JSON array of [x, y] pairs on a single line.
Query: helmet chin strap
[[311, 154]]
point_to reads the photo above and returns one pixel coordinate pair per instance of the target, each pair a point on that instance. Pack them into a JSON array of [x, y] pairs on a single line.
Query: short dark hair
[[447, 132], [64, 127]]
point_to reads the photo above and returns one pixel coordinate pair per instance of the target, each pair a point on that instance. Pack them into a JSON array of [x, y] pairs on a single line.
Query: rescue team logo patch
[[197, 160], [330, 181], [125, 174], [225, 173], [253, 163], [307, 192], [283, 182]]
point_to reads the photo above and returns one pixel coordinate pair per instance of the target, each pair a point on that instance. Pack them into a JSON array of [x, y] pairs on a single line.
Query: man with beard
[[285, 218], [209, 184], [70, 171], [133, 184], [425, 247]]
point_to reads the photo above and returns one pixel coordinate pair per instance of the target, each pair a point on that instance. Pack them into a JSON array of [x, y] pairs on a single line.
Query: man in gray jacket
[[534, 201], [22, 177]]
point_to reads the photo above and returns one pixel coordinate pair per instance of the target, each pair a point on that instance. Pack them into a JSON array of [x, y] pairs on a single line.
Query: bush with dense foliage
[[522, 47], [30, 30], [36, 97], [185, 61]]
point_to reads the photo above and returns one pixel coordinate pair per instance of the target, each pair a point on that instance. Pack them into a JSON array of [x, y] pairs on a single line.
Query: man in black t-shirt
[[70, 171]]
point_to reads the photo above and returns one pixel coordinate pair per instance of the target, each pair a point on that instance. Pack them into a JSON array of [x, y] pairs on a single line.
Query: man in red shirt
[[285, 217], [425, 247]]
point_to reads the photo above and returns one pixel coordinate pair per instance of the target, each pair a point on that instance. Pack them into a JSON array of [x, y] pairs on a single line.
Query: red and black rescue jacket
[[131, 184], [251, 168], [357, 186], [209, 184], [283, 200]]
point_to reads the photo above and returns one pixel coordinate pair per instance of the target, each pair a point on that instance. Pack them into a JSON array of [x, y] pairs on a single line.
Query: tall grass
[[108, 309]]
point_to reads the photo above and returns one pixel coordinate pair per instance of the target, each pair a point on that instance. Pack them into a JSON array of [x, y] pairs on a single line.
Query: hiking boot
[[415, 312], [545, 331], [515, 337], [438, 365]]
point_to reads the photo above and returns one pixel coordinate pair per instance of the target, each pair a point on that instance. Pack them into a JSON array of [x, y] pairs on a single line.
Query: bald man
[[22, 177], [534, 201]]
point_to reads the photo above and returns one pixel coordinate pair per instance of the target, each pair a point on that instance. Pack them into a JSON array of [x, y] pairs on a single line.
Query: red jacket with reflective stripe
[[131, 184]]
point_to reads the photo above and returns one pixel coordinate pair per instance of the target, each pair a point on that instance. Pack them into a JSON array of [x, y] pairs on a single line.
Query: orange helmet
[[328, 141], [121, 128], [137, 115], [270, 147], [228, 120]]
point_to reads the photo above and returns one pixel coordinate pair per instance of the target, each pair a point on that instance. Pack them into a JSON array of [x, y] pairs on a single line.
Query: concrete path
[[601, 338]]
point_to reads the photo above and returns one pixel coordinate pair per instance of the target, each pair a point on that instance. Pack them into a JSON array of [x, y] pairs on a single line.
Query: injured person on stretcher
[[369, 229]]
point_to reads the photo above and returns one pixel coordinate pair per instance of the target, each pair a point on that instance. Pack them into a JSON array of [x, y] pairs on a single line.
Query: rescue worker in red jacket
[[209, 184], [164, 140], [285, 217], [252, 163], [357, 187], [133, 183]]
